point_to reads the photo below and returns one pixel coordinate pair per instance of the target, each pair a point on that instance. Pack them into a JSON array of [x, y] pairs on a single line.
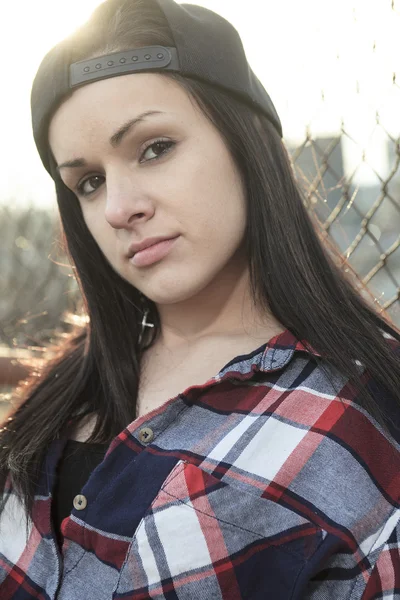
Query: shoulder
[[331, 457]]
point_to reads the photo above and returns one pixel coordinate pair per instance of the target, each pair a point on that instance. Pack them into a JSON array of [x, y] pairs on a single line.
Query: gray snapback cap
[[207, 48]]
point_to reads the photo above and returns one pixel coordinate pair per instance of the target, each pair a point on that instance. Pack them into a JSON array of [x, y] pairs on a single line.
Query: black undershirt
[[76, 464]]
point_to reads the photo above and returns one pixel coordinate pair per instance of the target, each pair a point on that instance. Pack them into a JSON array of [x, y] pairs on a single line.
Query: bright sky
[[297, 49]]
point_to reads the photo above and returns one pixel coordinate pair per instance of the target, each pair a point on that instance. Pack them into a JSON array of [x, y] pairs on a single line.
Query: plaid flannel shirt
[[267, 482]]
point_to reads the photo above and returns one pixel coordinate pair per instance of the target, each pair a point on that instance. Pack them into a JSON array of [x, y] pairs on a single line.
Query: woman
[[226, 422]]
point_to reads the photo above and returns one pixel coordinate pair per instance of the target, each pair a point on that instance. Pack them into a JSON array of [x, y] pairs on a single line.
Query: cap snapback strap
[[118, 63]]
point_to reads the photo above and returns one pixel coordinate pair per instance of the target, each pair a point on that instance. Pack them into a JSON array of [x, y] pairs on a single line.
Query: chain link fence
[[356, 203]]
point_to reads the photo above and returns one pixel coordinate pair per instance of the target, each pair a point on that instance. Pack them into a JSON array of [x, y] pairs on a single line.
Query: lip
[[153, 253], [138, 246]]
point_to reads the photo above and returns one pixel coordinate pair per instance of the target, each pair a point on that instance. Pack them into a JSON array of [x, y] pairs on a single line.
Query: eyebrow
[[114, 140]]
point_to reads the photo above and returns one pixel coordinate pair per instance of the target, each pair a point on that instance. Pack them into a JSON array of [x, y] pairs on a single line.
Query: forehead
[[107, 103]]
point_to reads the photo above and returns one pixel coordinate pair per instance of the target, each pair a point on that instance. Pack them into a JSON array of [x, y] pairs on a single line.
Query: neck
[[222, 310]]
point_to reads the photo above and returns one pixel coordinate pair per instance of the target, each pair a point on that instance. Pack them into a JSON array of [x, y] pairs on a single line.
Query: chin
[[167, 299], [171, 285], [171, 293]]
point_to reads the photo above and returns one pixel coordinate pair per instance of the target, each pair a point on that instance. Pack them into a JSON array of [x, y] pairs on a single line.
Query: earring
[[144, 320]]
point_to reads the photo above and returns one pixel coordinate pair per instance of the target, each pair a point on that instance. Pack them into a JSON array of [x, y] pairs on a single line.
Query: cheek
[[218, 196], [100, 230]]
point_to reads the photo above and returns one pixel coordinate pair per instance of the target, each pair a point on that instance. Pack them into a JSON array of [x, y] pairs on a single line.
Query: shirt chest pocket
[[202, 538]]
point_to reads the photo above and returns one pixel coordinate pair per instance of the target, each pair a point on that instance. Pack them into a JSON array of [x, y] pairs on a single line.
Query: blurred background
[[333, 73]]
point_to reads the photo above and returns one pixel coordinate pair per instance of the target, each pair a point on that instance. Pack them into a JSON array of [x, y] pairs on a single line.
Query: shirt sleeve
[[340, 574], [384, 581]]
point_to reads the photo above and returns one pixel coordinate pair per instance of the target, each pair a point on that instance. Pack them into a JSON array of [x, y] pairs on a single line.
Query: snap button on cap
[[80, 502], [146, 435]]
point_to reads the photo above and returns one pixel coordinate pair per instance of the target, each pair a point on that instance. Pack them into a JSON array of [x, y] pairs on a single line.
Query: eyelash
[[162, 142]]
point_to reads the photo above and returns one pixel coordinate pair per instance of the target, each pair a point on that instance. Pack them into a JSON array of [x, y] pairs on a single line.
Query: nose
[[126, 203]]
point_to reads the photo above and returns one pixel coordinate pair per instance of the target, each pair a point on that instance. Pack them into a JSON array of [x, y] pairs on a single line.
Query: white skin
[[193, 189]]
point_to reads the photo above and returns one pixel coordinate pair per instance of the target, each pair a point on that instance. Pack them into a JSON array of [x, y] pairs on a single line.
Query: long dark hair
[[296, 274]]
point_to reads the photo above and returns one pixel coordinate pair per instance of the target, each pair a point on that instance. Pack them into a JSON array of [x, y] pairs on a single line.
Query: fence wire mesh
[[356, 202]]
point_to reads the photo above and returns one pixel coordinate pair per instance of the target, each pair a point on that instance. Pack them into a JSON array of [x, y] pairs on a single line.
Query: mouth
[[136, 247], [153, 253]]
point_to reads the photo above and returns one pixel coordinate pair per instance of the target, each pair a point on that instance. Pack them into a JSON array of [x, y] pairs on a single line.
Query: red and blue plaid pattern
[[268, 481]]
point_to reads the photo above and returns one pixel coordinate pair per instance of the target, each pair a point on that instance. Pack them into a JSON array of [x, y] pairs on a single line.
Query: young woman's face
[[168, 174]]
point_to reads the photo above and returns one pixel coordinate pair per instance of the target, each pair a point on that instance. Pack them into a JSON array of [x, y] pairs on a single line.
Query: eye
[[156, 149], [89, 185], [153, 151]]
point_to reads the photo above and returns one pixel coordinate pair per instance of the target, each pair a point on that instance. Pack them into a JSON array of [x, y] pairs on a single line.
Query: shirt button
[[146, 435], [80, 502]]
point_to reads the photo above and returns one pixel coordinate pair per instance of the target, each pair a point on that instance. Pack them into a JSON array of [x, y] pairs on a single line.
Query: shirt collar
[[271, 356], [280, 350]]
